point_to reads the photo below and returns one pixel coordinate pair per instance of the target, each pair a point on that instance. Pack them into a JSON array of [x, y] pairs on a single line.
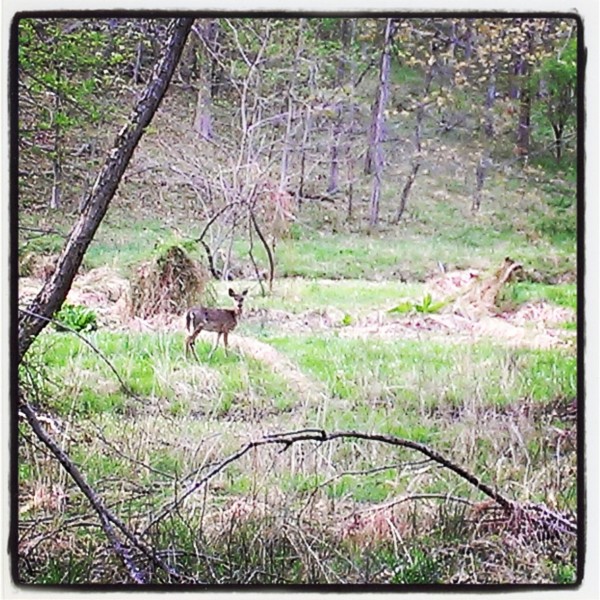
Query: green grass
[[353, 296], [564, 295], [154, 366], [250, 385], [420, 375]]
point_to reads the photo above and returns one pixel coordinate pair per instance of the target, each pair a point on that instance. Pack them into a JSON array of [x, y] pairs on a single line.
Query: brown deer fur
[[220, 320]]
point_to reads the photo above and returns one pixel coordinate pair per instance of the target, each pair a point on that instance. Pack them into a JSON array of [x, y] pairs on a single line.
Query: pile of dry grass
[[168, 284], [479, 298], [37, 266]]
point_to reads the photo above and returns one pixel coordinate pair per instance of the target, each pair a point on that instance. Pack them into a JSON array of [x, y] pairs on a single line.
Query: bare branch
[[124, 386], [107, 519], [267, 250]]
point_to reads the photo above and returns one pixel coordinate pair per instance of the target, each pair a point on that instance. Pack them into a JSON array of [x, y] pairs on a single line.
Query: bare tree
[[374, 162], [287, 141], [523, 72], [208, 36], [418, 133], [341, 75]]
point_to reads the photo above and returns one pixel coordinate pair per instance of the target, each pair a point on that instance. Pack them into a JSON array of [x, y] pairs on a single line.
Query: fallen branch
[[548, 520]]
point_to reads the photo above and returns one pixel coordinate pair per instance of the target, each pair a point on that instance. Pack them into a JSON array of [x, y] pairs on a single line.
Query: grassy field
[[495, 396], [342, 511]]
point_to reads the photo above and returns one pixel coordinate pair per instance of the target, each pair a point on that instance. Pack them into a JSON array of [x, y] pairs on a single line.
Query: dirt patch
[[534, 325], [302, 384]]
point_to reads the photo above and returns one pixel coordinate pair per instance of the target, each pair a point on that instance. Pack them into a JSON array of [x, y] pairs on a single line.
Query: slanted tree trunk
[[375, 151], [55, 290]]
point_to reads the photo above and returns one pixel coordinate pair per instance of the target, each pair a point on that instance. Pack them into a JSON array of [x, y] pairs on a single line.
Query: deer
[[220, 320]]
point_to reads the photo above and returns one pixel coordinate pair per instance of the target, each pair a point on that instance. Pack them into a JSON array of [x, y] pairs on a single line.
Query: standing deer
[[220, 320]]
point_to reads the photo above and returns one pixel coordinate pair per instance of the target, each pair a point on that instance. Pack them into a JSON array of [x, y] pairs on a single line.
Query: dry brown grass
[[169, 284]]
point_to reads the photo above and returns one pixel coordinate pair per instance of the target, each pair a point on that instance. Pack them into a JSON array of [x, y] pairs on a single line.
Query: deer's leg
[[190, 341], [215, 346], [225, 334]]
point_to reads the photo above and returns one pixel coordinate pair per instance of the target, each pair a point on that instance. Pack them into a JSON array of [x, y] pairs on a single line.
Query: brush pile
[[168, 284]]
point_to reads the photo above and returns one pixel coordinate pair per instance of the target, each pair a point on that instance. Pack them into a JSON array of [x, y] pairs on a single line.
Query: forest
[[297, 300]]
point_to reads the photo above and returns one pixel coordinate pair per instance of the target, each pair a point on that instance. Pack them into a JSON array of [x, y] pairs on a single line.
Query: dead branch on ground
[[515, 513]]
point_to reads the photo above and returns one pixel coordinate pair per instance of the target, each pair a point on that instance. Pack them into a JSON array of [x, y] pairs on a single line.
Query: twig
[[124, 386], [267, 249], [215, 217], [397, 501]]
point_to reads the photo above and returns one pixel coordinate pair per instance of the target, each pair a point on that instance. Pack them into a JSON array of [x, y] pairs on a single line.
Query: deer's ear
[[231, 292]]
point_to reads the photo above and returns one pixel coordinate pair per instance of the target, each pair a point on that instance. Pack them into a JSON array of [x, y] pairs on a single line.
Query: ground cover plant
[[399, 401]]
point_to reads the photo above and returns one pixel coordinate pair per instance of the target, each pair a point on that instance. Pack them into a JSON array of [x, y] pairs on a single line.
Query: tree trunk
[[341, 74], [305, 136], [203, 117], [55, 290], [558, 143], [524, 127], [375, 152], [480, 174], [489, 104], [287, 140], [410, 180], [523, 72], [57, 158], [416, 159]]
